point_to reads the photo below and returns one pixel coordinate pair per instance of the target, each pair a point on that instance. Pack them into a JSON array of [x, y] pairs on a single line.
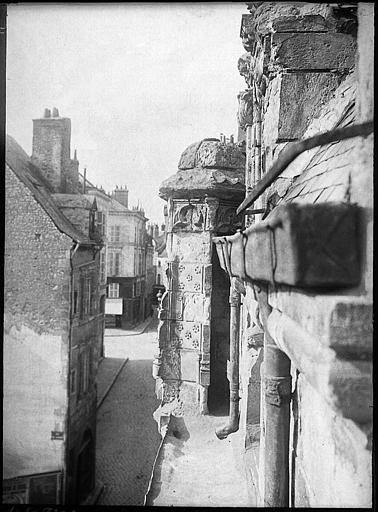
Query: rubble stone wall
[[36, 322]]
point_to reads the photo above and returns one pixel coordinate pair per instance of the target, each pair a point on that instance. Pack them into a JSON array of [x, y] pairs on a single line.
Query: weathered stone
[[351, 329], [189, 366], [309, 23], [293, 100], [245, 112], [211, 153], [200, 182], [313, 51]]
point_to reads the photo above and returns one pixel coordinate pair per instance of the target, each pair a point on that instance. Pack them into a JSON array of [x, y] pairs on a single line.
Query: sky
[[139, 81]]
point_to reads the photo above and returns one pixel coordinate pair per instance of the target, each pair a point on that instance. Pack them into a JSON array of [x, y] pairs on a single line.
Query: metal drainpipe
[[277, 394], [233, 421]]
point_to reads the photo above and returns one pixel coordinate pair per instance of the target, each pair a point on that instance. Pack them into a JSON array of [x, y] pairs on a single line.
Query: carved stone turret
[[202, 199]]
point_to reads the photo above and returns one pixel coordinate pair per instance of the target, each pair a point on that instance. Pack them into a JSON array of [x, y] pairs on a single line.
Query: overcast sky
[[140, 83]]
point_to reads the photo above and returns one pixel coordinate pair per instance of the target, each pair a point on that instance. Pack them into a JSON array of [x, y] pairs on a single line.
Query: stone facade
[[197, 210], [129, 261], [52, 326], [307, 72]]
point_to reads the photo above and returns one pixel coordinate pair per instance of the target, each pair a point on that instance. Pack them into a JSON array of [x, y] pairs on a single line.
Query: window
[[115, 232], [73, 381], [85, 296], [102, 267], [114, 263], [100, 222], [113, 290], [75, 302], [84, 371], [158, 279]]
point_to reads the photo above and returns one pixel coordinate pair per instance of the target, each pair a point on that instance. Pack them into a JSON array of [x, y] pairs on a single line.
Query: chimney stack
[[51, 151], [121, 195]]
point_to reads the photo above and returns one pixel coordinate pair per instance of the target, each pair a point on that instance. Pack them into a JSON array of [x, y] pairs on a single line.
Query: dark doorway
[[85, 467], [219, 393]]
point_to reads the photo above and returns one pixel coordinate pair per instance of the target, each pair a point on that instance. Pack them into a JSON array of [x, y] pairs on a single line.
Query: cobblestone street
[[127, 435]]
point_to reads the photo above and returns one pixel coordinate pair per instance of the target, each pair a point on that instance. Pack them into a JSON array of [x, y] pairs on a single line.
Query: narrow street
[[127, 435]]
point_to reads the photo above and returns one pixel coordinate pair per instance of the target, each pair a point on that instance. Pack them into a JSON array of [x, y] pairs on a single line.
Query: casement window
[[102, 267], [100, 223], [115, 233], [84, 371], [113, 290], [114, 259], [75, 305], [86, 298]]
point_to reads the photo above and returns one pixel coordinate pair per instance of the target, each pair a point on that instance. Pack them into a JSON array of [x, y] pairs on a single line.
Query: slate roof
[[32, 178]]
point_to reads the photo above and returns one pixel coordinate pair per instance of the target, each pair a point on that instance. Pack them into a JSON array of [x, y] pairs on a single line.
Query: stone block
[[308, 246], [351, 329], [186, 277], [194, 307], [309, 23], [186, 335], [313, 51], [293, 100], [189, 366]]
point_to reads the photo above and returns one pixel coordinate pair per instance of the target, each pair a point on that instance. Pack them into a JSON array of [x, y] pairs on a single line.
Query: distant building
[[129, 299], [52, 322], [103, 202]]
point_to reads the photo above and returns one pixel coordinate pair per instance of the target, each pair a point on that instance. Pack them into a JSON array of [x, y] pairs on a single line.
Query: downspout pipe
[[233, 420], [276, 396]]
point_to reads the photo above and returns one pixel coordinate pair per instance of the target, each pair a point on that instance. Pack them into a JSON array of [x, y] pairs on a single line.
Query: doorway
[[219, 392]]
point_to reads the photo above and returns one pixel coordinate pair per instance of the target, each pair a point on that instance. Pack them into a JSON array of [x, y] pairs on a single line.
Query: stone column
[[202, 200]]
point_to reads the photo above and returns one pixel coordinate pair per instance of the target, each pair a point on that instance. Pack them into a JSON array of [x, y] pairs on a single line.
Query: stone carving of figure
[[244, 67]]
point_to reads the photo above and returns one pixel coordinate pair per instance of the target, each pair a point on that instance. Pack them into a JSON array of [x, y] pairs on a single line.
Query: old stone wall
[[36, 323], [307, 83]]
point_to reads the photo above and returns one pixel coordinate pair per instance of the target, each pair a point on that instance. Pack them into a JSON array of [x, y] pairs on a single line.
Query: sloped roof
[[32, 178]]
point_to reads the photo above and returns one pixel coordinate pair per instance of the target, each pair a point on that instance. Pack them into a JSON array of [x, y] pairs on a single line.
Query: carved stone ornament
[[277, 390], [189, 217], [245, 111], [247, 32], [244, 67], [227, 220]]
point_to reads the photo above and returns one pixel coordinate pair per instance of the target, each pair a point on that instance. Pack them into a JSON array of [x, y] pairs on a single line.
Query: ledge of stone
[[200, 182]]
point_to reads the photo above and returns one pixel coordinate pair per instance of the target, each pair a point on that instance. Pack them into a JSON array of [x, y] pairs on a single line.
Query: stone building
[[103, 202], [129, 253], [52, 323], [297, 331]]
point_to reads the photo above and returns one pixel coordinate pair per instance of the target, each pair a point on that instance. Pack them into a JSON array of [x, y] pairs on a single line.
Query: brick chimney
[[51, 151], [121, 195]]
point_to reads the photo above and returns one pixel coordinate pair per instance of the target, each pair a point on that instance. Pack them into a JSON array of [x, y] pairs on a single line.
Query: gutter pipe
[[233, 421], [296, 148], [276, 396]]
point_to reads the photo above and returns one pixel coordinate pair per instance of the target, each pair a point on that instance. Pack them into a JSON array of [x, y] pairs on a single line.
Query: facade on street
[[268, 308], [52, 322], [129, 262]]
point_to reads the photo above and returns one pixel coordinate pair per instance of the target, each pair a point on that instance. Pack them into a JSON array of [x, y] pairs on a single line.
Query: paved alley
[[127, 435]]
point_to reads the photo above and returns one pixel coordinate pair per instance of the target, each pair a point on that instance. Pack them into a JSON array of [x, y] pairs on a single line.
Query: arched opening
[[85, 467], [219, 392]]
